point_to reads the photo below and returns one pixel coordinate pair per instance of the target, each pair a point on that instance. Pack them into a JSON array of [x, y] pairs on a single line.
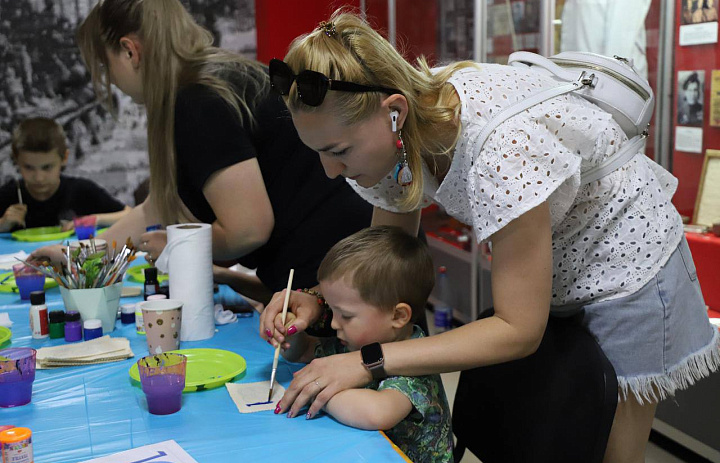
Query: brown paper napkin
[[100, 350]]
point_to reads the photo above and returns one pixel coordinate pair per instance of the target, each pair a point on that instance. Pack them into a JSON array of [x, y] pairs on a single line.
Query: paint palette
[[205, 369]]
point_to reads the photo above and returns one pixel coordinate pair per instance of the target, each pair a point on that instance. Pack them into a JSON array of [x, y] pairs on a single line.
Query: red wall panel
[[688, 166]]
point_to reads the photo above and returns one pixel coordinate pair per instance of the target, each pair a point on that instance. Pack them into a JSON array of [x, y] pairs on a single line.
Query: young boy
[[376, 282], [40, 152]]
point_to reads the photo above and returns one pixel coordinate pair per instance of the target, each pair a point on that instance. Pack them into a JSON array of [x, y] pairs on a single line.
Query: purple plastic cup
[[27, 280], [84, 226], [163, 379], [17, 373]]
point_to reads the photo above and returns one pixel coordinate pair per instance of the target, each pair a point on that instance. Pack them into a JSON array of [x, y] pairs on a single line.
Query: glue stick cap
[[156, 297]]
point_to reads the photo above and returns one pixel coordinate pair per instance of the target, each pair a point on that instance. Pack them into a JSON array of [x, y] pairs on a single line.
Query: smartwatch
[[372, 359]]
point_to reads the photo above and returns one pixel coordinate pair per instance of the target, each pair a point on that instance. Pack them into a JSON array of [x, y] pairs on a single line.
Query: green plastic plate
[[136, 274], [8, 284], [206, 368], [5, 335], [41, 234]]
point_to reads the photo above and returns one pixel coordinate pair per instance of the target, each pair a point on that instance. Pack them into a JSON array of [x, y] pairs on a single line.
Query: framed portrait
[[698, 11], [690, 104], [707, 204]]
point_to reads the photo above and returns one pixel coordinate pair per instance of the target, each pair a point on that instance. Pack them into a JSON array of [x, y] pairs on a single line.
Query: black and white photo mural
[[42, 74]]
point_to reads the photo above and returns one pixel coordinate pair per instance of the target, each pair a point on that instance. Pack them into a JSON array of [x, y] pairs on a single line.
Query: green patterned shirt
[[425, 434]]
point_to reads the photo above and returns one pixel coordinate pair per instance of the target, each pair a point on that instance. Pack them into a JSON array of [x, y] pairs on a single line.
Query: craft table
[[80, 413]]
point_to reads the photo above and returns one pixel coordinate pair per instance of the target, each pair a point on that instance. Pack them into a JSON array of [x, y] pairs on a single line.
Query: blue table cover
[[79, 413]]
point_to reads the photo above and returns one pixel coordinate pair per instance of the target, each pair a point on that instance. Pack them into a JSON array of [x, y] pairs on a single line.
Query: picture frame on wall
[[707, 203]]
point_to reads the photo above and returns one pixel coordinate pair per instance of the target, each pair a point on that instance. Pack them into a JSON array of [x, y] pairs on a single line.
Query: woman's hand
[[55, 254], [320, 380], [153, 244], [303, 306]]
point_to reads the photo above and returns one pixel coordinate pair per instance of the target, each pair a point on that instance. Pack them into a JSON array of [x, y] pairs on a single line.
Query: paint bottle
[[57, 324], [127, 313], [92, 328], [73, 326], [38, 315], [16, 445], [151, 282]]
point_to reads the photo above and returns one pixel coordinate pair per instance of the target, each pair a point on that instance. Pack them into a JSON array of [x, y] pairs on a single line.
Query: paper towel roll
[[187, 259]]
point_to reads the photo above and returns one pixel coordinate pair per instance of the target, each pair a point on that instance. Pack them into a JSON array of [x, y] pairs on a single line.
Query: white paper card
[[252, 397], [162, 452], [688, 139], [698, 34]]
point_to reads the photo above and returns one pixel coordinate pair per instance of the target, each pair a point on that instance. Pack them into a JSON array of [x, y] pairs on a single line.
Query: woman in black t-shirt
[[223, 149]]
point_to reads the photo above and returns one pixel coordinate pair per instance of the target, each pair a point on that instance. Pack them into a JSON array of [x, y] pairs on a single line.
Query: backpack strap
[[520, 106], [628, 151]]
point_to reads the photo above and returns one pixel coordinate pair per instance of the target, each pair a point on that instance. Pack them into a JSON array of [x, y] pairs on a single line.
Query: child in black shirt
[[40, 152]]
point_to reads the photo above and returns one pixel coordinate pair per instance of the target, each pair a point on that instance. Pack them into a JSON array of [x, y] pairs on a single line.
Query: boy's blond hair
[[386, 266], [39, 134]]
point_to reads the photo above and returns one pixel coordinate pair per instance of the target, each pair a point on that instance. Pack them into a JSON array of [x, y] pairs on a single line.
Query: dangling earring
[[403, 174]]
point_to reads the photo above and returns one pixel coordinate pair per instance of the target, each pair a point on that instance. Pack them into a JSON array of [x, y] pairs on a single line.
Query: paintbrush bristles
[[89, 268]]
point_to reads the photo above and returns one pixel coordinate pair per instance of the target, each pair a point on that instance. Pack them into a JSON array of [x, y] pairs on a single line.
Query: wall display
[[699, 22], [688, 139], [715, 98], [707, 206], [690, 85], [42, 74]]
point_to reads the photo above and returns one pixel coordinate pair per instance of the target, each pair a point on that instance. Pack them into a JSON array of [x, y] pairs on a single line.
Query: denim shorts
[[659, 339]]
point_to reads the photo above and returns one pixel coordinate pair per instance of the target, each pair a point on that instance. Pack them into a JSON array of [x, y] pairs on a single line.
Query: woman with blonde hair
[[222, 148], [612, 250]]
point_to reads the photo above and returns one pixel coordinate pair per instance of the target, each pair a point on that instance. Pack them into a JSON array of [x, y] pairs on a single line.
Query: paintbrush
[[277, 349], [19, 192]]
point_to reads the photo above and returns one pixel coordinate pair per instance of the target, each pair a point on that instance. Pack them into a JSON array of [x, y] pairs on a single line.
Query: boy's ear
[[402, 315], [65, 158]]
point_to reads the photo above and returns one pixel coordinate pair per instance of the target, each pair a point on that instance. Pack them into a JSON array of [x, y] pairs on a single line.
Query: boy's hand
[[15, 215], [55, 254]]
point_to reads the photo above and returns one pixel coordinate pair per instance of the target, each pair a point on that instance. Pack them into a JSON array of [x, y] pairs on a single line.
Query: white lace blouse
[[609, 237]]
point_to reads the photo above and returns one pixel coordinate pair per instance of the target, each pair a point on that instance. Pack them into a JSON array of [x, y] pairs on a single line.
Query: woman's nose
[[332, 167]]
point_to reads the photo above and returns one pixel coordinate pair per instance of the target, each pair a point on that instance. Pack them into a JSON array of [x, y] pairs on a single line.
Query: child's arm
[[14, 215], [109, 218], [369, 409]]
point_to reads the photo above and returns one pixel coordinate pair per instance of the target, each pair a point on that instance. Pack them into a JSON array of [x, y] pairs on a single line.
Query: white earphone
[[394, 115]]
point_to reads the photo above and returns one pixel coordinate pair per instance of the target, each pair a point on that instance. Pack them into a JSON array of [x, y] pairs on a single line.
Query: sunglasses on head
[[313, 86]]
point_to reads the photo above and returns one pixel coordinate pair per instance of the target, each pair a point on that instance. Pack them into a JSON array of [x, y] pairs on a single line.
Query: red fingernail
[[268, 333], [277, 409], [289, 414], [308, 416], [292, 330]]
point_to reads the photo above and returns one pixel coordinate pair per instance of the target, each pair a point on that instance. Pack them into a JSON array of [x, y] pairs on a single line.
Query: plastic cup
[[84, 226], [163, 379], [17, 373], [28, 280], [162, 319]]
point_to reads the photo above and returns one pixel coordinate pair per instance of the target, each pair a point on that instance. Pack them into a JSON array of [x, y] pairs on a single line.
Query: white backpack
[[610, 83]]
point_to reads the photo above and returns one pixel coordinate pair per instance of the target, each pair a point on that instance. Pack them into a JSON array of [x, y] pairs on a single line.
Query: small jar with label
[[16, 445], [73, 326], [57, 324], [127, 314], [92, 328]]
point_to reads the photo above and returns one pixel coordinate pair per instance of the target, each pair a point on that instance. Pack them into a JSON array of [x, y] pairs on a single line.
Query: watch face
[[371, 353]]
